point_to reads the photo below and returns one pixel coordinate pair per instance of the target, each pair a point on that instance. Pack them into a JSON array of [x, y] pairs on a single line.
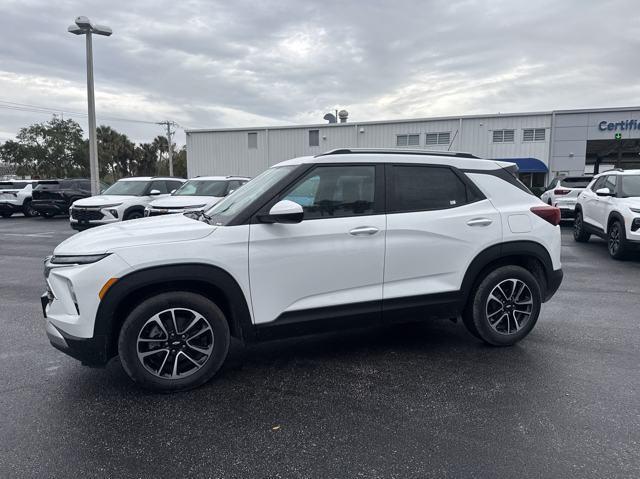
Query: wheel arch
[[210, 281], [614, 215], [131, 209], [530, 255]]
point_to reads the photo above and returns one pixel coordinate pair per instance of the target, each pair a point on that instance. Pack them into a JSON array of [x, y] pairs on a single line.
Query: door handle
[[479, 222], [363, 231]]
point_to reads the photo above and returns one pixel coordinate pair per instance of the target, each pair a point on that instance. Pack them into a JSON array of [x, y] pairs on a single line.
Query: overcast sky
[[207, 64]]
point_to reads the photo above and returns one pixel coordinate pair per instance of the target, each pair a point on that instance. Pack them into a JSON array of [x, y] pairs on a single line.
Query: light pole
[[84, 26]]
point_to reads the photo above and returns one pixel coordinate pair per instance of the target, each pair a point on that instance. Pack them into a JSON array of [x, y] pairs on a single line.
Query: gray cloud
[[223, 64]]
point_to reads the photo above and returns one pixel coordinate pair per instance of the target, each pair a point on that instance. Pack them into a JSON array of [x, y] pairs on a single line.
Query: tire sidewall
[[127, 341], [133, 215], [578, 228], [622, 250], [480, 300]]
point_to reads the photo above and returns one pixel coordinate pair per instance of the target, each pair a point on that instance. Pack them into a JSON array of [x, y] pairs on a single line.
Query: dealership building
[[543, 144]]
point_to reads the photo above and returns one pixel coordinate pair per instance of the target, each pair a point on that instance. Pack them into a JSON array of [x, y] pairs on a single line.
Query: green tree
[[116, 154]]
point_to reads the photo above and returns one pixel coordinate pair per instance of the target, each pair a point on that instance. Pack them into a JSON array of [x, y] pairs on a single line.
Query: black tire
[[139, 322], [28, 210], [617, 241], [6, 215], [518, 324], [47, 214], [133, 215], [579, 233]]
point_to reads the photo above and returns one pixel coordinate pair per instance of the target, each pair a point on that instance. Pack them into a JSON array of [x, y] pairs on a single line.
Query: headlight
[[635, 210], [79, 259]]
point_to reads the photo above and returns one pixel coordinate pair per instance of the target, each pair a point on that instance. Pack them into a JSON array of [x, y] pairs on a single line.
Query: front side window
[[599, 183], [420, 188], [127, 188], [610, 183], [630, 186], [335, 191], [202, 188], [224, 211], [159, 185]]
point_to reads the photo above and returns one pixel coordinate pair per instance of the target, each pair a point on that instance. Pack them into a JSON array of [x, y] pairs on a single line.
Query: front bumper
[[54, 207], [554, 280]]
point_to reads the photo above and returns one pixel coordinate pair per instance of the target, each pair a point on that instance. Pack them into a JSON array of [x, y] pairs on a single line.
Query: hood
[[633, 201], [145, 231], [100, 200], [183, 201]]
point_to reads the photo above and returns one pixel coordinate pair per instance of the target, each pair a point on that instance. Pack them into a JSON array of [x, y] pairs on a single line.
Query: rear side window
[[420, 188]]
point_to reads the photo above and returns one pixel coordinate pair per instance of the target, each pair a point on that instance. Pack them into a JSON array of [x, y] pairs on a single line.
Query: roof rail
[[395, 151]]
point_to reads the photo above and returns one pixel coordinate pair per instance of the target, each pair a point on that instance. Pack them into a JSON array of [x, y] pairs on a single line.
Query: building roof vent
[[343, 115]]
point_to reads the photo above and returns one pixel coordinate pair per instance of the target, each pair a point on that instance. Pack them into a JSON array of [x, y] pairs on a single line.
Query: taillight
[[561, 191], [551, 214]]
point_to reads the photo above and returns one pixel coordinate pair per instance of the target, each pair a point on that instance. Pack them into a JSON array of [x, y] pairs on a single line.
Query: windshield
[[578, 182], [127, 188], [202, 188], [630, 186], [221, 213]]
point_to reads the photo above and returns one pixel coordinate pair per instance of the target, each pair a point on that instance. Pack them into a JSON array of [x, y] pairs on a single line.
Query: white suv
[[125, 200], [196, 195], [15, 196], [563, 193], [345, 239], [610, 207]]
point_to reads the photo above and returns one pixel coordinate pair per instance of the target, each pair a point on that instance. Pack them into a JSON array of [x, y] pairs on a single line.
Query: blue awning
[[527, 165]]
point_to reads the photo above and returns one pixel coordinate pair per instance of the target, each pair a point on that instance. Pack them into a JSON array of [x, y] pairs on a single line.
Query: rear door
[[437, 222], [330, 265]]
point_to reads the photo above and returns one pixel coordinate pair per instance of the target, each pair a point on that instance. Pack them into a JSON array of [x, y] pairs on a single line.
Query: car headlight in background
[[78, 259]]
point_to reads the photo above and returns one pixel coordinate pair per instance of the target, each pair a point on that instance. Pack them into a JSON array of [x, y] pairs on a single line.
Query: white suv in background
[[563, 192], [15, 197], [610, 208], [196, 195], [349, 238], [125, 200]]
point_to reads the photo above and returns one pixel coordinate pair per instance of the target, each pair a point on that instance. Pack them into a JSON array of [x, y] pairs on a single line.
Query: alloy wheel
[[509, 306], [614, 239], [175, 343]]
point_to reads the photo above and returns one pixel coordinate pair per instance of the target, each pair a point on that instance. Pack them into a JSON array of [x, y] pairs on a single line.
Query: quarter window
[[503, 136], [335, 191], [314, 137], [419, 188], [408, 140], [438, 138]]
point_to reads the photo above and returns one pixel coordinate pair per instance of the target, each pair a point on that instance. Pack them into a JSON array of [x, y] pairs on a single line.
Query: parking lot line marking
[[44, 234]]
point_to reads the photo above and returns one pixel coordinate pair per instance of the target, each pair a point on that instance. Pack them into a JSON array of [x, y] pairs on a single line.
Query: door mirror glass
[[154, 192], [284, 211], [603, 192]]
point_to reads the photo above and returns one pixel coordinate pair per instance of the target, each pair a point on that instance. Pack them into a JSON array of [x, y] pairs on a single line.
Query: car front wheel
[[174, 341], [579, 233], [505, 306], [617, 241]]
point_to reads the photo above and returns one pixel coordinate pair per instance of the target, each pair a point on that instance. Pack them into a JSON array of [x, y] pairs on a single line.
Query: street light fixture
[[84, 26]]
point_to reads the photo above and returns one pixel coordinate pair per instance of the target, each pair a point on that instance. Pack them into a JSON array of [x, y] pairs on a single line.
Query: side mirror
[[284, 211], [173, 191], [154, 192], [604, 192]]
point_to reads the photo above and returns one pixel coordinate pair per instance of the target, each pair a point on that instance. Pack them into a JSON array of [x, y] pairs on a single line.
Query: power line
[[10, 105]]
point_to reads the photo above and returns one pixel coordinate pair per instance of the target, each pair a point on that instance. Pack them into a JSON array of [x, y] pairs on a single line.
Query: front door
[[331, 264]]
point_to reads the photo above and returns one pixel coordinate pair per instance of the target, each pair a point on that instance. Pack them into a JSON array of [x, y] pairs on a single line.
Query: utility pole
[[168, 124]]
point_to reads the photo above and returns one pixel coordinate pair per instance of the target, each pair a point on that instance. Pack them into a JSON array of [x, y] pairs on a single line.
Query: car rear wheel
[[579, 233], [174, 341], [617, 241], [505, 306], [47, 214], [28, 210]]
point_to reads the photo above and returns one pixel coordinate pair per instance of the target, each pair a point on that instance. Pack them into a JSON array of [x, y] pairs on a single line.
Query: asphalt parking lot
[[420, 400]]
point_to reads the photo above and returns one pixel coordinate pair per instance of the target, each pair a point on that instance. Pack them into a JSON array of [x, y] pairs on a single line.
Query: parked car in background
[[197, 194], [125, 200], [563, 192], [349, 238], [610, 208], [16, 197], [54, 197]]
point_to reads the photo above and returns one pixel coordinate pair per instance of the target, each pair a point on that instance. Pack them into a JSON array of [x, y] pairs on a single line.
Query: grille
[[84, 215]]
